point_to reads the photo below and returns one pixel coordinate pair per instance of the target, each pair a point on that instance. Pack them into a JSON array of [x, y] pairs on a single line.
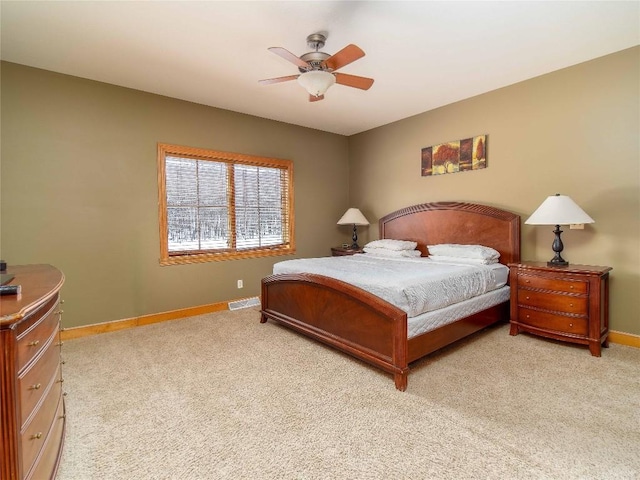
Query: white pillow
[[385, 252], [391, 244], [465, 251], [464, 260]]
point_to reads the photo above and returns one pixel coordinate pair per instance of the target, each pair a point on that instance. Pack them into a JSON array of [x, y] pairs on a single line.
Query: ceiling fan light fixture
[[316, 82]]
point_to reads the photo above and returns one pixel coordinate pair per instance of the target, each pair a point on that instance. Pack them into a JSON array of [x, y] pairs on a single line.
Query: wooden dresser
[[564, 303], [31, 400]]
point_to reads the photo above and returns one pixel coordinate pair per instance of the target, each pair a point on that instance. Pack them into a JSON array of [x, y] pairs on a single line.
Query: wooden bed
[[371, 329]]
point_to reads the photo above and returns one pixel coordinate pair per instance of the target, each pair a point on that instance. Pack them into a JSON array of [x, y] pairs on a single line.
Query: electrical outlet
[[240, 284], [576, 226]]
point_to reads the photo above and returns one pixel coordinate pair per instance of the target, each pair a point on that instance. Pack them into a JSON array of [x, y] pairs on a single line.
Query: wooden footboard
[[341, 315]]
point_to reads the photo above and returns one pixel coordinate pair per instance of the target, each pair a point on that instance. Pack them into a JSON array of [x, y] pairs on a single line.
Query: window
[[218, 205]]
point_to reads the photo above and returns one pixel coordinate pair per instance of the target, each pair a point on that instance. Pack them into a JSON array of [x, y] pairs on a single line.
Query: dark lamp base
[[557, 247], [354, 238], [555, 263]]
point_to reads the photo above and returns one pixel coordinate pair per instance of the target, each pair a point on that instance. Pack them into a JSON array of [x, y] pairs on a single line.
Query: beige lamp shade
[[558, 210], [353, 216]]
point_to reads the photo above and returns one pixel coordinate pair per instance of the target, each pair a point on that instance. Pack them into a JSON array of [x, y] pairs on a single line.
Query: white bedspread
[[415, 285]]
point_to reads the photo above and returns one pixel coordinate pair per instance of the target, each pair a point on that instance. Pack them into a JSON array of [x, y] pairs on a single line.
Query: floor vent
[[245, 303]]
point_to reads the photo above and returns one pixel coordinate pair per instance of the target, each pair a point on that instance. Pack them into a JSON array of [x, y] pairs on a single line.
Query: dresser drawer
[[48, 458], [556, 284], [31, 342], [34, 382], [553, 301], [35, 433], [549, 321]]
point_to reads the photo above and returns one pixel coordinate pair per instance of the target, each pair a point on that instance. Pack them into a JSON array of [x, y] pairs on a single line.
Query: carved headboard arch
[[466, 223]]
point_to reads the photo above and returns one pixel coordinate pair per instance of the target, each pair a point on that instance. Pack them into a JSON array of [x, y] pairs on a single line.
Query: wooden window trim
[[231, 158]]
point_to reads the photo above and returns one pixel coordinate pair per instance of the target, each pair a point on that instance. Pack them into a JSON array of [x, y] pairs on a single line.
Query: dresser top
[[39, 283], [571, 268]]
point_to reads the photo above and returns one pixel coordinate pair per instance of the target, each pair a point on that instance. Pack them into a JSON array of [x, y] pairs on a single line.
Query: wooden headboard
[[456, 222]]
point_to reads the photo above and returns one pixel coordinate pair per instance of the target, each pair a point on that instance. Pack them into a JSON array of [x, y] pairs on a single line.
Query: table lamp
[[354, 217], [558, 210]]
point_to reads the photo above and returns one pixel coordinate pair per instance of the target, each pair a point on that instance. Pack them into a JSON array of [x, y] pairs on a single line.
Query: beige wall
[[79, 191], [574, 131], [79, 188]]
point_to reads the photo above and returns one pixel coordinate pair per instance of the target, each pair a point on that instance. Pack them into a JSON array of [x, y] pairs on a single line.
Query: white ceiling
[[422, 54]]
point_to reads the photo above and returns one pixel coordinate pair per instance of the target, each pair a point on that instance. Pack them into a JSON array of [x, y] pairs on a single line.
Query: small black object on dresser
[[10, 289]]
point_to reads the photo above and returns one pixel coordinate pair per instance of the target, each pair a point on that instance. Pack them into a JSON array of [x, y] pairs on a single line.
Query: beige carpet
[[221, 396]]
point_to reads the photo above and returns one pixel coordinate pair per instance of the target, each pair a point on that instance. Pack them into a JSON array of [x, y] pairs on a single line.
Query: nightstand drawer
[[549, 321], [556, 284], [553, 301]]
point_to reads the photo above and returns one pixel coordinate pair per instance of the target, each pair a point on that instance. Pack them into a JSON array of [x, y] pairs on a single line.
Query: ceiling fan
[[317, 69]]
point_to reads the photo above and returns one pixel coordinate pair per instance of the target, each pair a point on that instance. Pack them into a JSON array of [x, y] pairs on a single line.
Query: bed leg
[[401, 381], [513, 329], [263, 318]]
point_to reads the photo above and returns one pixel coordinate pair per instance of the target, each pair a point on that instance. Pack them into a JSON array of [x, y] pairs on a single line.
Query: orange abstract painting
[[456, 156]]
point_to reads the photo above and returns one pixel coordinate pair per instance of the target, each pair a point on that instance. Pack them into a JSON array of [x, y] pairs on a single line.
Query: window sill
[[218, 257]]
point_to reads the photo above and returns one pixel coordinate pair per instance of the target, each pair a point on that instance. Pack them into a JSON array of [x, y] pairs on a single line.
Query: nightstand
[[564, 303], [342, 251]]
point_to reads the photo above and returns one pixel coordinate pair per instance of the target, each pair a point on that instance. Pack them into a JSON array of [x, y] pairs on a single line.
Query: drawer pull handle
[[571, 324], [35, 387], [527, 298], [37, 436], [571, 287], [571, 304], [527, 281], [527, 316], [34, 343], [59, 312]]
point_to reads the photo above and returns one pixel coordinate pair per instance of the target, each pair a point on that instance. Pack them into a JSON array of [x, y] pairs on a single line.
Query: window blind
[[220, 205]]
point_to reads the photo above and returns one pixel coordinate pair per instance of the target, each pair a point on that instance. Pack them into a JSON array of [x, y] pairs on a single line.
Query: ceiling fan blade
[[313, 98], [348, 54], [287, 55], [362, 83], [269, 81]]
